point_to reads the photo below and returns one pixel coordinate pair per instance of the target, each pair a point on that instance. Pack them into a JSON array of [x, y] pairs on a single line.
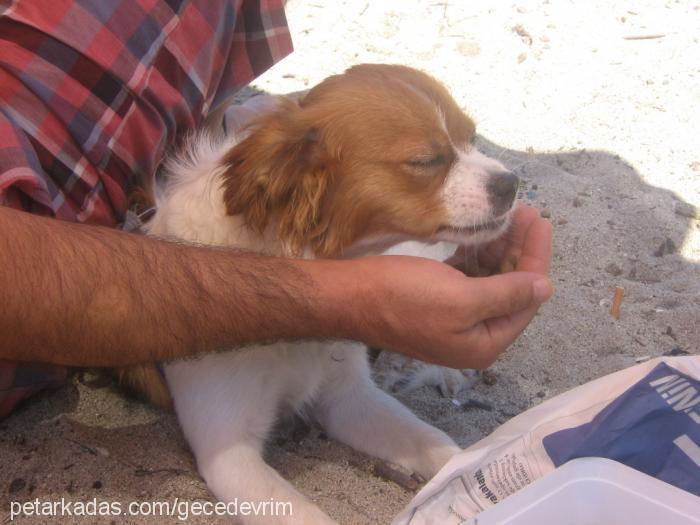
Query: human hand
[[505, 253], [433, 312]]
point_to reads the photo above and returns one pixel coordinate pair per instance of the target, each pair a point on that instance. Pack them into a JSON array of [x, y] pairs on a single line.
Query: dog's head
[[377, 152]]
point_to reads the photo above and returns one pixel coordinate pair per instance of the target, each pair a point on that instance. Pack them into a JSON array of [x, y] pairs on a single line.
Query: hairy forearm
[[86, 295]]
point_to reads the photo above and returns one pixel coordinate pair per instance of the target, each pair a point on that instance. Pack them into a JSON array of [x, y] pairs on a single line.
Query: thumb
[[505, 294]]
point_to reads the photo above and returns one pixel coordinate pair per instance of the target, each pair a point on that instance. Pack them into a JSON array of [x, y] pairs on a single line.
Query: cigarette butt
[[617, 302]]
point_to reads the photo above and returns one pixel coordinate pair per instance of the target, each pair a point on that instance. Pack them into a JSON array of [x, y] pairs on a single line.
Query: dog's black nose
[[502, 188]]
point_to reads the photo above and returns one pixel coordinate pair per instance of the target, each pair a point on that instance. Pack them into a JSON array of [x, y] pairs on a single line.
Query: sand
[[602, 129]]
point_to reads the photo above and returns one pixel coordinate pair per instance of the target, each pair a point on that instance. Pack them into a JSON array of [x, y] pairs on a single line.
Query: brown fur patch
[[147, 382], [344, 162]]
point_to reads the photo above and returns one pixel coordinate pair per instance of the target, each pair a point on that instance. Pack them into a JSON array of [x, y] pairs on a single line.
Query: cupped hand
[[431, 311]]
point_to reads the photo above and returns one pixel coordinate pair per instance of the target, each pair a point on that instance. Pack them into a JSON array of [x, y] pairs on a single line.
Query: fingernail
[[542, 290]]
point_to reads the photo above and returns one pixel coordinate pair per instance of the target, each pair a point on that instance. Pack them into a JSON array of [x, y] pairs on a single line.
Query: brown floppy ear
[[279, 175]]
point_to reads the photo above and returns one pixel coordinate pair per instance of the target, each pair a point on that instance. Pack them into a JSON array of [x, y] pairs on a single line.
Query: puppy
[[366, 159]]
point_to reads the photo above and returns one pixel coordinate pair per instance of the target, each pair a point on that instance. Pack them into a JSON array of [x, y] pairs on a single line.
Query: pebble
[[666, 247], [676, 351], [687, 210], [613, 269], [488, 377], [577, 202], [476, 403], [545, 214], [16, 485]]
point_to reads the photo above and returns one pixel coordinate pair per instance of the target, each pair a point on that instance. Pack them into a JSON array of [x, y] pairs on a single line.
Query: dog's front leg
[[239, 474], [226, 408], [355, 411]]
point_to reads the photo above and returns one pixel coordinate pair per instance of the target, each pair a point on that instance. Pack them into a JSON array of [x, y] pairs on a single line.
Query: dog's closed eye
[[427, 161]]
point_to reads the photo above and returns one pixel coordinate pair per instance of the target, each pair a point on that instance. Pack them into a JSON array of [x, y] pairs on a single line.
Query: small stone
[[534, 187], [522, 57], [541, 394], [666, 247], [545, 214], [97, 485], [523, 34], [477, 403], [562, 222], [16, 485], [613, 269], [676, 351], [687, 210], [577, 202], [669, 332], [488, 377]]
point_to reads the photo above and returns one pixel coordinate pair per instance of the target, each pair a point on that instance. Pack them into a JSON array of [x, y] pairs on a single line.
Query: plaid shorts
[[93, 93]]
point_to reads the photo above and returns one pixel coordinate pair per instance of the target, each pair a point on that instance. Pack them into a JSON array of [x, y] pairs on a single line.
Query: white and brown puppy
[[366, 159]]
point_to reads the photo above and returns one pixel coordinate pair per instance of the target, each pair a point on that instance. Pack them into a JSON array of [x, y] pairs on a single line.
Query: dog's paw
[[400, 374]]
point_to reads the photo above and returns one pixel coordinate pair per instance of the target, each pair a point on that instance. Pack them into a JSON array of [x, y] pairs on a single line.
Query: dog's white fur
[[228, 402]]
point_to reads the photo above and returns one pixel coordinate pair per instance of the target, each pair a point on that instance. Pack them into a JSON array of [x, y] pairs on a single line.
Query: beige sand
[[602, 128]]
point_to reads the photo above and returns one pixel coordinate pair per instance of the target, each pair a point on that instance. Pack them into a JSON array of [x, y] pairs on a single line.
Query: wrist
[[340, 300]]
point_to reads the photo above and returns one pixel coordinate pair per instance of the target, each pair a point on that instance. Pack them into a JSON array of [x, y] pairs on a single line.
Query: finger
[[505, 294], [493, 336], [510, 243], [536, 251]]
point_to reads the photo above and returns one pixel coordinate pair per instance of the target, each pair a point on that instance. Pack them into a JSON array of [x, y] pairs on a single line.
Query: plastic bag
[[646, 417]]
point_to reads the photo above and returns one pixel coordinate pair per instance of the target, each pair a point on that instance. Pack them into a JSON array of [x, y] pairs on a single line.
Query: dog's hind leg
[[226, 411], [355, 411]]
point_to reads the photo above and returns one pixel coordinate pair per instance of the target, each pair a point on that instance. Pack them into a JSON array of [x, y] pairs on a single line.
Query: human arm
[[87, 295]]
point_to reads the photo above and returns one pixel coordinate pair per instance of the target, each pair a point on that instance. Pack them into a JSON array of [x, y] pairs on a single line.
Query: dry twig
[[389, 473]]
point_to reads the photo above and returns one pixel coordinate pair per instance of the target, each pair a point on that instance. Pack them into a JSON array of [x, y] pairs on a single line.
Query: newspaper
[[647, 417]]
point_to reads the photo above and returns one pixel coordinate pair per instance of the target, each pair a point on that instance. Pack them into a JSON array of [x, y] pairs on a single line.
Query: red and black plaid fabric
[[93, 93]]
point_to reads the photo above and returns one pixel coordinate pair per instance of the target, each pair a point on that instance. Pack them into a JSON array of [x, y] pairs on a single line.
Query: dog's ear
[[279, 175]]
